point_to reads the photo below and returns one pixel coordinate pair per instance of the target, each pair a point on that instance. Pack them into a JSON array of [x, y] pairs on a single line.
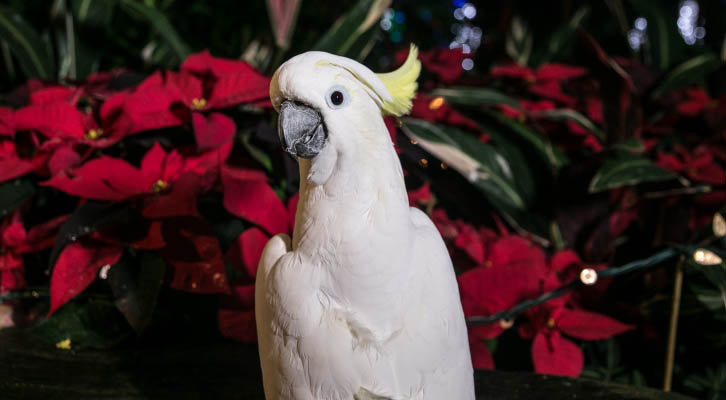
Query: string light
[[719, 225], [588, 276], [633, 266], [706, 257]]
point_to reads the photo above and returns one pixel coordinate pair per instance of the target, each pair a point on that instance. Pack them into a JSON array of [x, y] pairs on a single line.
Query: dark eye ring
[[336, 98]]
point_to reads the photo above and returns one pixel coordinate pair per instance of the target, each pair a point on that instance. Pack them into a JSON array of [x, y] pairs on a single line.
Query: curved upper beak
[[301, 130]]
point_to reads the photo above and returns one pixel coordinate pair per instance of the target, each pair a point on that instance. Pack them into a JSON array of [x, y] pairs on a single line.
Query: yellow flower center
[[551, 323], [159, 186], [198, 103], [94, 134], [436, 103]]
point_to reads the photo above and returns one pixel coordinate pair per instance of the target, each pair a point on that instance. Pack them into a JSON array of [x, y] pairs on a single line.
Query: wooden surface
[[219, 369]]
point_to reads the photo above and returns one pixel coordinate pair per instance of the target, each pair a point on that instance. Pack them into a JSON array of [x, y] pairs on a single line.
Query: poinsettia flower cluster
[[508, 269], [154, 147]]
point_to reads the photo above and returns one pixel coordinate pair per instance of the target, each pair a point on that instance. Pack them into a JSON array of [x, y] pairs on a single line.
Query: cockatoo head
[[330, 106]]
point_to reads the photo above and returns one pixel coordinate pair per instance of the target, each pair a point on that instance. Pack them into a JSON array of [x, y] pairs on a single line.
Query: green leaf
[[561, 39], [518, 43], [627, 170], [14, 194], [665, 44], [256, 153], [93, 12], [692, 71], [479, 162], [572, 115], [549, 153], [633, 145], [93, 324], [473, 96], [347, 30], [88, 218], [137, 300], [27, 46], [712, 299], [160, 23]]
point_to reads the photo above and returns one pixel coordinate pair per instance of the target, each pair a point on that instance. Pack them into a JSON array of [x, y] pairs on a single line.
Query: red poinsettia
[[552, 353], [15, 240], [206, 83], [248, 196], [698, 165], [445, 64], [509, 270], [108, 178], [77, 267], [545, 81], [236, 316], [436, 110], [53, 113]]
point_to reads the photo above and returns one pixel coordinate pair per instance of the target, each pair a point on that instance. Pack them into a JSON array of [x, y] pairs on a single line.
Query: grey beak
[[301, 130]]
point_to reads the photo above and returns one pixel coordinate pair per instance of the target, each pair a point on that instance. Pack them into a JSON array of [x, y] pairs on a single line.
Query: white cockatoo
[[362, 303]]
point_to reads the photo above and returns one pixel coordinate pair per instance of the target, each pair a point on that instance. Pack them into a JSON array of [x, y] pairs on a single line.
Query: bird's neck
[[364, 195]]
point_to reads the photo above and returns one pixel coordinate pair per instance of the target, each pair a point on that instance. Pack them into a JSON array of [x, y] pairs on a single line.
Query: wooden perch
[[220, 369]]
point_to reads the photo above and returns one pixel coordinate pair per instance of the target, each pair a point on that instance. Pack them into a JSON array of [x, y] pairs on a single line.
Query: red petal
[[554, 355], [445, 63], [520, 255], [485, 291], [239, 87], [52, 120], [63, 159], [77, 267], [471, 242], [194, 252], [620, 221], [185, 86], [104, 178], [236, 317], [420, 195], [558, 72], [12, 167], [150, 108], [563, 259], [212, 131], [55, 94], [251, 198], [42, 236], [179, 200], [670, 162], [153, 240], [513, 71], [7, 121], [552, 90], [594, 109], [588, 325], [203, 63], [153, 162], [481, 357], [12, 272]]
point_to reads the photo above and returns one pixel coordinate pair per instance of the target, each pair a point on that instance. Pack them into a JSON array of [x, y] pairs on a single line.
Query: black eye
[[336, 98]]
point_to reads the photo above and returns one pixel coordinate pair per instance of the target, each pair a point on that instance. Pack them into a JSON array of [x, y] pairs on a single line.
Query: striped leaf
[[478, 162]]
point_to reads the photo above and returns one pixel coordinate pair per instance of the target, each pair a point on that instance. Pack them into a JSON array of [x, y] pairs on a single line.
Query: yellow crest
[[401, 84]]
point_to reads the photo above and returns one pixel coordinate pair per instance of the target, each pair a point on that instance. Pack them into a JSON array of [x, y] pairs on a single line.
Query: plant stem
[[673, 328]]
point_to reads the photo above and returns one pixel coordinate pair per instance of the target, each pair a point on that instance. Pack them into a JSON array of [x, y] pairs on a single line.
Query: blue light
[[399, 17], [396, 37], [425, 15], [458, 3]]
